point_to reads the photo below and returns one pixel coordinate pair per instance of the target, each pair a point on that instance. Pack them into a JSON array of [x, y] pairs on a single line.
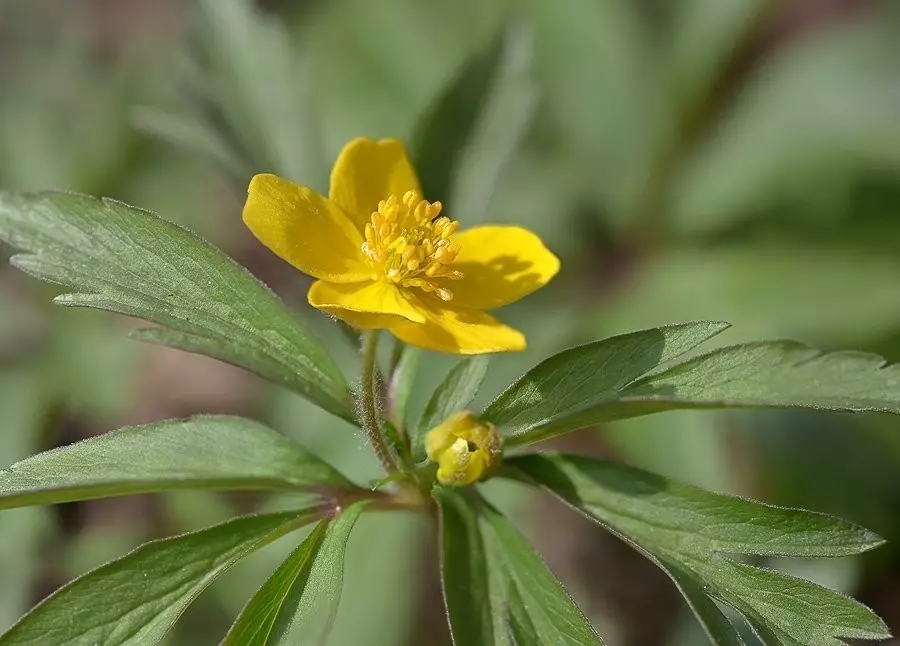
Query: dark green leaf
[[453, 394], [136, 599], [206, 452], [302, 596], [443, 133], [127, 260], [566, 391], [686, 531], [496, 588]]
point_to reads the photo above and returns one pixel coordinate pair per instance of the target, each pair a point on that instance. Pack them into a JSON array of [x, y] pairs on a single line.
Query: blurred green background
[[725, 159]]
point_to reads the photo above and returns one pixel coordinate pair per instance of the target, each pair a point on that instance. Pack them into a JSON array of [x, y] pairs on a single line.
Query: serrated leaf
[[454, 393], [127, 260], [136, 599], [780, 374], [497, 590], [205, 452], [686, 530], [303, 594], [564, 392], [442, 134]]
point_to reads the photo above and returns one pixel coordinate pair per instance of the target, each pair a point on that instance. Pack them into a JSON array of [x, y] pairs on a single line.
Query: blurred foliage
[[693, 159]]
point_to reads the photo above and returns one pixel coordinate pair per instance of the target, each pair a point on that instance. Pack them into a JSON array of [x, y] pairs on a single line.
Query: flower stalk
[[368, 407]]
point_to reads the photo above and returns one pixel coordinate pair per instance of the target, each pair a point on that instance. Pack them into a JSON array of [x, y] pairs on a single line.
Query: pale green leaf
[[136, 599], [315, 605], [401, 384], [301, 598], [205, 452], [564, 392], [127, 260], [687, 531], [255, 624], [497, 590], [441, 136]]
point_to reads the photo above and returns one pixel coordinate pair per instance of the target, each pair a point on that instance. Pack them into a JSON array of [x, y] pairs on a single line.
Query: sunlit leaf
[[207, 452], [564, 392], [127, 260], [688, 532], [135, 600], [496, 588], [299, 601]]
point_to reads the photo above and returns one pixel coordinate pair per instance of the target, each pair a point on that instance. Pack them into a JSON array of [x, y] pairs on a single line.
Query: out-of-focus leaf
[[257, 82], [453, 394], [401, 386], [600, 90], [496, 588], [136, 599], [444, 131], [813, 117], [507, 113], [703, 40], [197, 453], [829, 293], [686, 530], [194, 136], [564, 392], [127, 260]]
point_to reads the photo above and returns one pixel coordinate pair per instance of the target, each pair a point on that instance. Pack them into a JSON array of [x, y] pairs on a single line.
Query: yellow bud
[[464, 448]]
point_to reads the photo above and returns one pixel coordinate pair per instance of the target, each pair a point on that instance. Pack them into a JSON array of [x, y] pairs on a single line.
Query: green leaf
[[253, 86], [136, 599], [443, 133], [780, 374], [315, 605], [403, 378], [206, 452], [566, 391], [497, 590], [453, 394], [308, 585], [120, 258], [687, 531]]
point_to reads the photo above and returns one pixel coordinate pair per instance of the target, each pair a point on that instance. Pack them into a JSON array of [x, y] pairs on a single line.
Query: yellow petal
[[368, 171], [305, 229], [456, 330], [375, 297], [500, 265]]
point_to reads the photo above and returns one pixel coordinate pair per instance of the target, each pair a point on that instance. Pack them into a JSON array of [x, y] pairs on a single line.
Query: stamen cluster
[[408, 243]]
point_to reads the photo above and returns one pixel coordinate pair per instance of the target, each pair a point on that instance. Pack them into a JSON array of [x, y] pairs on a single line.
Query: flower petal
[[305, 229], [368, 171], [456, 330], [500, 265], [374, 297]]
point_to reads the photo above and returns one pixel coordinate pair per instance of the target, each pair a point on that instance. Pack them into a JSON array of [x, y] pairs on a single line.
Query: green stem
[[369, 412]]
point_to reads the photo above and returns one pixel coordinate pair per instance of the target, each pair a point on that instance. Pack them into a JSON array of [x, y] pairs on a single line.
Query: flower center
[[408, 244]]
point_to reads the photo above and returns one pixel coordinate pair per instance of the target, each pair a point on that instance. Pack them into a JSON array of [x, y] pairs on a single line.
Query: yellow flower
[[464, 448], [386, 259]]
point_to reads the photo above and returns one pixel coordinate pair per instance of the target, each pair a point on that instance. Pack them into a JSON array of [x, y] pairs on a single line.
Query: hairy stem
[[369, 410]]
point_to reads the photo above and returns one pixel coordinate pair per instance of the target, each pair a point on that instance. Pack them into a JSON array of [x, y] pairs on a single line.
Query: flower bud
[[464, 448]]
